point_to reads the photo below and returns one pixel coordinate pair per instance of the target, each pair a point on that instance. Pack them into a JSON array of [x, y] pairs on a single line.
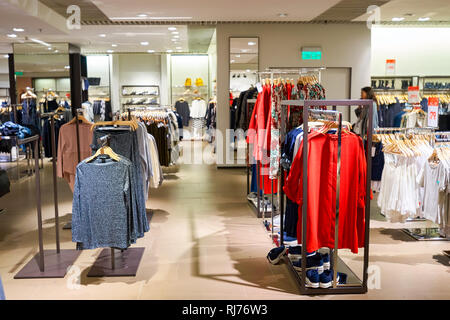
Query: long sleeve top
[[103, 212]]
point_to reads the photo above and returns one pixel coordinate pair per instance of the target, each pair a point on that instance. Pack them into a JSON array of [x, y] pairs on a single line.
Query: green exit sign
[[19, 73], [311, 55]]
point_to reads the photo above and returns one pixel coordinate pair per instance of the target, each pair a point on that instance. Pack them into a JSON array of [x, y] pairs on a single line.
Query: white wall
[[4, 73], [189, 66], [418, 51], [98, 67], [140, 69], [343, 45]]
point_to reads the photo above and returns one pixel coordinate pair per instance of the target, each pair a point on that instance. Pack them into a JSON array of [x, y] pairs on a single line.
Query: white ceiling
[[43, 23], [215, 10]]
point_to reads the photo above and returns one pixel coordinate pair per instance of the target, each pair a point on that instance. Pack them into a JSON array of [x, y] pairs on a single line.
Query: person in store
[[360, 126]]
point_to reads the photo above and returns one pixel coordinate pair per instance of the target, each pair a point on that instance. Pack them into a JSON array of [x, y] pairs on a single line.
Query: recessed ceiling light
[[176, 36], [398, 19], [175, 32], [232, 61], [6, 56], [18, 29], [142, 15], [424, 19], [150, 51], [102, 35], [169, 50], [144, 43], [114, 45], [56, 51], [252, 43], [282, 15], [238, 56], [41, 42], [172, 28], [244, 50], [66, 67], [50, 48], [12, 35], [248, 70], [174, 39], [110, 51], [178, 48]]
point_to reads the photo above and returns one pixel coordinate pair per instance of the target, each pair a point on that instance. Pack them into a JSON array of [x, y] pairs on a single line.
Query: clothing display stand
[[107, 264], [46, 263], [418, 233], [337, 264], [68, 225]]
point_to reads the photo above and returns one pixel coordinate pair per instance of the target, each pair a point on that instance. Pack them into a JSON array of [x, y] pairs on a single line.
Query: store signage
[[311, 53], [390, 66], [19, 73], [433, 112], [413, 95]]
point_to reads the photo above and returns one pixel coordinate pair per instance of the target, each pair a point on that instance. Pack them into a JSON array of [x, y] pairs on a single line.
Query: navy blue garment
[[47, 137], [125, 143], [287, 149], [103, 210], [291, 218], [254, 184], [12, 129], [377, 162], [398, 119], [29, 113], [424, 104]]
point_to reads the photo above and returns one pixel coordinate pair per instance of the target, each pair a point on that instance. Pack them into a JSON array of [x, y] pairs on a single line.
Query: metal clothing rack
[[337, 263], [46, 263], [107, 264]]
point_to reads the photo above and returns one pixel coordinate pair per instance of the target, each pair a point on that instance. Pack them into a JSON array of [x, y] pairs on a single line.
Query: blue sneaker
[[288, 240], [274, 256], [295, 252], [326, 278], [326, 261], [313, 262], [312, 279]]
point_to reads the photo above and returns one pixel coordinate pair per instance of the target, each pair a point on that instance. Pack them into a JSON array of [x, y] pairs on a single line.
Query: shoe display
[[326, 261], [274, 256], [313, 262], [295, 252], [326, 278]]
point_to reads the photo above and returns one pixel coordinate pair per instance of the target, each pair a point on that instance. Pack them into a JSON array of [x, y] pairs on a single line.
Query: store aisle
[[204, 243]]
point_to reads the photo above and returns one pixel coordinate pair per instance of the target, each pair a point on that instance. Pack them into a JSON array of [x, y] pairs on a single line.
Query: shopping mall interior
[[190, 118]]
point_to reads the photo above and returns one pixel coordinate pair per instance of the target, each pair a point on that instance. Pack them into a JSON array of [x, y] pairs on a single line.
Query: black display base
[[126, 263], [55, 265]]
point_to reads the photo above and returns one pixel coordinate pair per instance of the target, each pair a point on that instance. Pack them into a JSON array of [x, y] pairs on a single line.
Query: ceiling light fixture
[[144, 43], [251, 43], [50, 48], [5, 56], [178, 48], [41, 42], [114, 45], [150, 51], [18, 29], [232, 61], [397, 19], [172, 28], [282, 15], [174, 40], [56, 51], [175, 32], [170, 18], [66, 67], [248, 70], [110, 51], [169, 51], [238, 56], [12, 35], [244, 50], [102, 35], [424, 19], [142, 15]]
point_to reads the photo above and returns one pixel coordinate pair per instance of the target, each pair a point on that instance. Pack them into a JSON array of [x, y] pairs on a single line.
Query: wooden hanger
[[80, 118], [131, 123], [105, 150]]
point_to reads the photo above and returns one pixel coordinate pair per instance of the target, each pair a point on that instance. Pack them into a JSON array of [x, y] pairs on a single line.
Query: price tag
[[259, 87], [433, 112], [390, 66], [413, 95]]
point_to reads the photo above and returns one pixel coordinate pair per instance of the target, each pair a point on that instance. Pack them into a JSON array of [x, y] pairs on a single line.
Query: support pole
[[55, 182]]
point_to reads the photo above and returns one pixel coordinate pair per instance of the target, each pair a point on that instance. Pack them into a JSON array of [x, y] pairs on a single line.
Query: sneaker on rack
[[295, 252], [326, 261], [312, 279], [274, 256], [313, 262], [252, 196], [326, 278]]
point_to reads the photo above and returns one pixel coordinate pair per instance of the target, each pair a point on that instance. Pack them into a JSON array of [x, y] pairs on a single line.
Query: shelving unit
[[139, 95], [188, 93]]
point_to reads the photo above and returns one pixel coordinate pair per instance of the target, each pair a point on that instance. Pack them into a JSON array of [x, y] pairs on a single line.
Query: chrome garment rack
[[337, 263]]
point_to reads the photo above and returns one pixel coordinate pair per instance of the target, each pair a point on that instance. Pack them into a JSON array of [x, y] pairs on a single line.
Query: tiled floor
[[204, 243]]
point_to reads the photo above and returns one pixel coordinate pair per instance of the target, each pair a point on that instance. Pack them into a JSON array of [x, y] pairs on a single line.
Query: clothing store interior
[[191, 118]]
